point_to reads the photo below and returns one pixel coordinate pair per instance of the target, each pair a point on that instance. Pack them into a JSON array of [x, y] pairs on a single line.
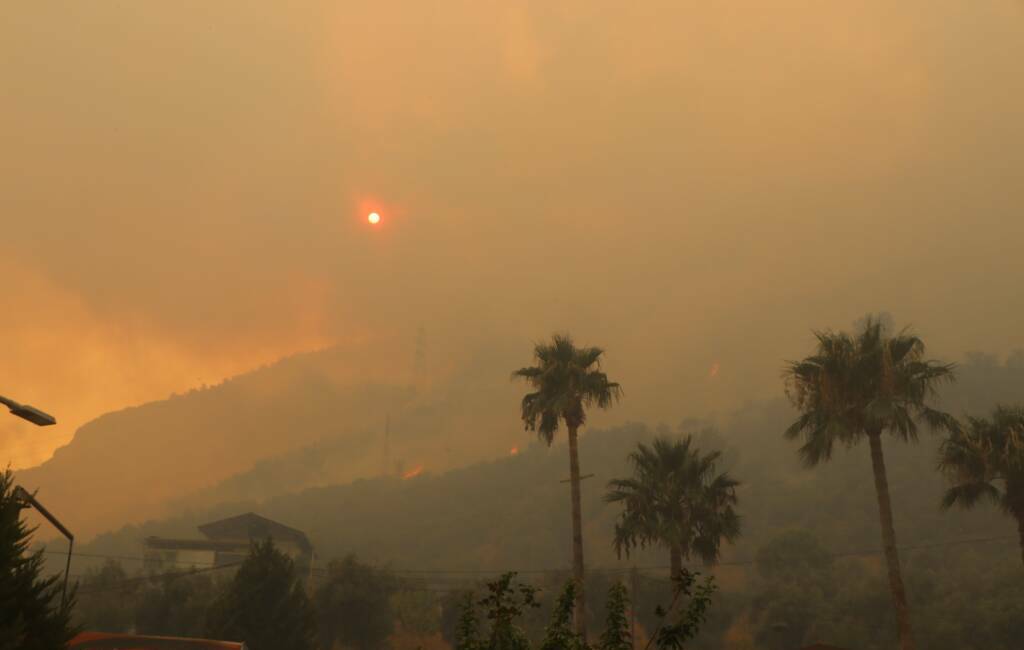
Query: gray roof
[[251, 526]]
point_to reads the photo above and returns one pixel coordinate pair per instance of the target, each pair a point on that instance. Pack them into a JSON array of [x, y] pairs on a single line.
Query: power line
[[172, 575], [126, 558], [323, 572], [743, 562]]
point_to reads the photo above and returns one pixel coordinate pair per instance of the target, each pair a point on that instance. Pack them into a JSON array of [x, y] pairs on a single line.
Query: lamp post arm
[[26, 497], [23, 494]]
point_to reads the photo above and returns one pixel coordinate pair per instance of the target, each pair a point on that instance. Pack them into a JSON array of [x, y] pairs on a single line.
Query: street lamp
[[30, 413], [25, 499]]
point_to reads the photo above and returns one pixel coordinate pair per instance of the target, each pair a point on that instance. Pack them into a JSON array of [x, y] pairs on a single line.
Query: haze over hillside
[[185, 185], [298, 258], [245, 441], [446, 531], [352, 415]]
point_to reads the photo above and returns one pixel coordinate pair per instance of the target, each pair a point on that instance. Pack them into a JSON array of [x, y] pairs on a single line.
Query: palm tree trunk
[[675, 571], [1020, 531], [675, 565], [899, 595], [577, 533]]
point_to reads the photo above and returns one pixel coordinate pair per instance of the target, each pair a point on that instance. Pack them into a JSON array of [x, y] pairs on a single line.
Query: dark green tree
[[687, 613], [416, 610], [861, 386], [354, 605], [559, 634], [106, 599], [985, 462], [791, 556], [177, 604], [32, 616], [452, 612], [467, 629], [677, 499], [265, 605], [617, 634], [504, 604], [793, 589], [566, 381]]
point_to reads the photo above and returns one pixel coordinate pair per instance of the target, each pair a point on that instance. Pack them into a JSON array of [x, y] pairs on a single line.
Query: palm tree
[[860, 386], [675, 499], [985, 462], [566, 381]]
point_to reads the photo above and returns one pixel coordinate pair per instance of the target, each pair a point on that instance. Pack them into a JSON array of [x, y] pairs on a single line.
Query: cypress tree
[[31, 614]]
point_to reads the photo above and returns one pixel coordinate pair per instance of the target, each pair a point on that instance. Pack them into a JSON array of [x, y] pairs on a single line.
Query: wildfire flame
[[413, 473], [714, 369], [513, 451]]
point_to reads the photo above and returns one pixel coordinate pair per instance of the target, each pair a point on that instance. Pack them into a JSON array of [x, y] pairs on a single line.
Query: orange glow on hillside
[[513, 451], [413, 473]]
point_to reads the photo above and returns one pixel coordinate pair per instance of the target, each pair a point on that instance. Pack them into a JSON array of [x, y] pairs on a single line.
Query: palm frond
[[937, 420], [967, 495], [530, 374], [566, 380], [817, 449], [675, 498], [588, 357], [870, 380], [984, 461]]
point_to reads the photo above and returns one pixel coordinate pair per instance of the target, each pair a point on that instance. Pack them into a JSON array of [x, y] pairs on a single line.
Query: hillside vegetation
[[509, 513], [313, 419]]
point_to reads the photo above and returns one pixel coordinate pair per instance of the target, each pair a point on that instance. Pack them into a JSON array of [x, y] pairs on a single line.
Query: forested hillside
[[511, 514], [325, 417]]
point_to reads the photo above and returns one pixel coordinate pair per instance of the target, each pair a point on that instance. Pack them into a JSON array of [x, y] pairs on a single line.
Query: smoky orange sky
[[692, 185]]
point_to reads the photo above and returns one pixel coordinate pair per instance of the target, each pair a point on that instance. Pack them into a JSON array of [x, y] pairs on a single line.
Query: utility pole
[[584, 477], [387, 445], [417, 368]]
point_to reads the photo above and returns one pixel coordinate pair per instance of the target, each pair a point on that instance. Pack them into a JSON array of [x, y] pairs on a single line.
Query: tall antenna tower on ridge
[[418, 360], [386, 468]]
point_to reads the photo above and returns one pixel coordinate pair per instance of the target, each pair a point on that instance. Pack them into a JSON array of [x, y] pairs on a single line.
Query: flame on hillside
[[413, 473], [513, 451]]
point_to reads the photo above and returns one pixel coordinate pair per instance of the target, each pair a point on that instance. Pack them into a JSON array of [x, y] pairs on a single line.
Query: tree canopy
[[566, 381], [265, 605], [985, 462], [355, 604], [864, 383], [676, 498]]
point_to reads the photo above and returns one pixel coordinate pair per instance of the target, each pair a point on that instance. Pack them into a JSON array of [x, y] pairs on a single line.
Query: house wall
[[163, 559]]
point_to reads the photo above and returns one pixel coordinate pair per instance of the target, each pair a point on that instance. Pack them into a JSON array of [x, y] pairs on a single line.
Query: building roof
[[251, 526]]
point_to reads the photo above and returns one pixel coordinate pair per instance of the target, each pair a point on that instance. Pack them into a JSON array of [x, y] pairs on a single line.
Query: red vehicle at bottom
[[104, 641]]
